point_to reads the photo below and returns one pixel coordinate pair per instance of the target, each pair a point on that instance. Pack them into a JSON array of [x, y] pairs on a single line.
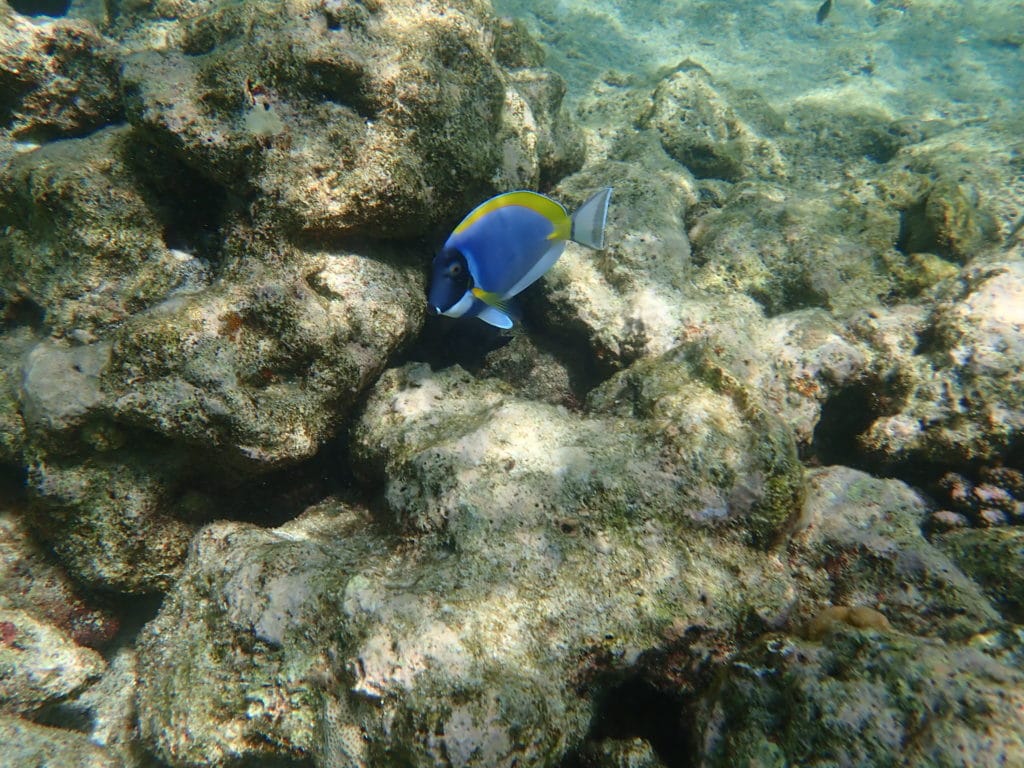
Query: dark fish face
[[449, 281]]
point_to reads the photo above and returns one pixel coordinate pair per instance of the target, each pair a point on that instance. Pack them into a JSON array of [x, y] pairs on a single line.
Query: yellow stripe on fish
[[545, 206]]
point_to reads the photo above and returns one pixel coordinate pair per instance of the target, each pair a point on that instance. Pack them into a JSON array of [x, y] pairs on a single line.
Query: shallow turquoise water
[[956, 59]]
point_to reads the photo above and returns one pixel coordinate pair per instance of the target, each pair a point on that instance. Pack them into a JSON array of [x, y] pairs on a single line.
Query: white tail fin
[[588, 222]]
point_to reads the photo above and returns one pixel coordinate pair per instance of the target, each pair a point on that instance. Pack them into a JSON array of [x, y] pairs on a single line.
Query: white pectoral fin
[[588, 222], [497, 318]]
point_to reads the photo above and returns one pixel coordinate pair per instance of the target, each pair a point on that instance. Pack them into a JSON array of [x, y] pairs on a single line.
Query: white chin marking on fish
[[460, 307]]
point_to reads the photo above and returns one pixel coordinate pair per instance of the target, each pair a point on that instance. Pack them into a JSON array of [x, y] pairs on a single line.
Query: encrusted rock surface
[[422, 431], [993, 558], [963, 396], [189, 312], [507, 504], [262, 367], [28, 745], [862, 697], [625, 299], [621, 753], [702, 131], [39, 664], [790, 249], [59, 78], [85, 239], [859, 542], [379, 118], [32, 582], [122, 519], [626, 536]]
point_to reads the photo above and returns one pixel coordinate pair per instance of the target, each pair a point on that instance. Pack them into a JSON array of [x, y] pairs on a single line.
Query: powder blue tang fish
[[505, 245]]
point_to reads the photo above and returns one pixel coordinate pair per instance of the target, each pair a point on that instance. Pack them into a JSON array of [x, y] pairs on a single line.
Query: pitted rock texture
[[60, 78], [540, 554], [191, 283], [40, 664], [960, 398], [859, 542], [378, 118], [862, 697]]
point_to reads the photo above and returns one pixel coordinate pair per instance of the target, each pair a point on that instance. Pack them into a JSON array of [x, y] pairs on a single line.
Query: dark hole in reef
[[882, 150], [447, 341], [915, 234], [928, 342], [190, 206], [275, 761], [472, 344], [20, 311], [846, 416], [12, 483], [636, 709], [192, 222], [66, 715], [275, 498], [40, 7], [843, 417], [13, 89]]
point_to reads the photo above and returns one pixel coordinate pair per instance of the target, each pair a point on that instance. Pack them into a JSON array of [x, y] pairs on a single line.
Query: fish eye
[[455, 270]]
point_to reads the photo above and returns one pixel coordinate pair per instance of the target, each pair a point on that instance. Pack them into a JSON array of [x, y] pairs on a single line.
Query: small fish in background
[[505, 245], [823, 11]]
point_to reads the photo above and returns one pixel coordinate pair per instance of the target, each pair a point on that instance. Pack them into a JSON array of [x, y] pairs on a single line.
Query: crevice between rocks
[[637, 709], [191, 208], [52, 8]]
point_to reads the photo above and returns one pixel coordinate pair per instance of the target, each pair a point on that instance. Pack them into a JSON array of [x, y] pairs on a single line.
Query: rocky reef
[[744, 487]]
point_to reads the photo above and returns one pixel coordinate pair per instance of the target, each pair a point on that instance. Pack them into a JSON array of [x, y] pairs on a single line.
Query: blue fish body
[[505, 245]]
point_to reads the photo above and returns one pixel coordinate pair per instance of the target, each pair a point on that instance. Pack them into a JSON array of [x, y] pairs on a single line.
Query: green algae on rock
[[330, 637], [700, 129], [483, 630], [859, 542], [188, 267], [993, 557], [250, 374], [84, 240], [962, 398], [262, 367], [737, 460], [948, 220], [121, 520], [791, 249], [40, 664], [13, 437], [897, 698], [620, 753], [59, 79], [363, 139], [28, 744], [626, 299], [696, 450]]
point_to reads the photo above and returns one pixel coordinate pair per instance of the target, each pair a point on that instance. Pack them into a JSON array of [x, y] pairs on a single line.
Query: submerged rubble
[[771, 431]]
